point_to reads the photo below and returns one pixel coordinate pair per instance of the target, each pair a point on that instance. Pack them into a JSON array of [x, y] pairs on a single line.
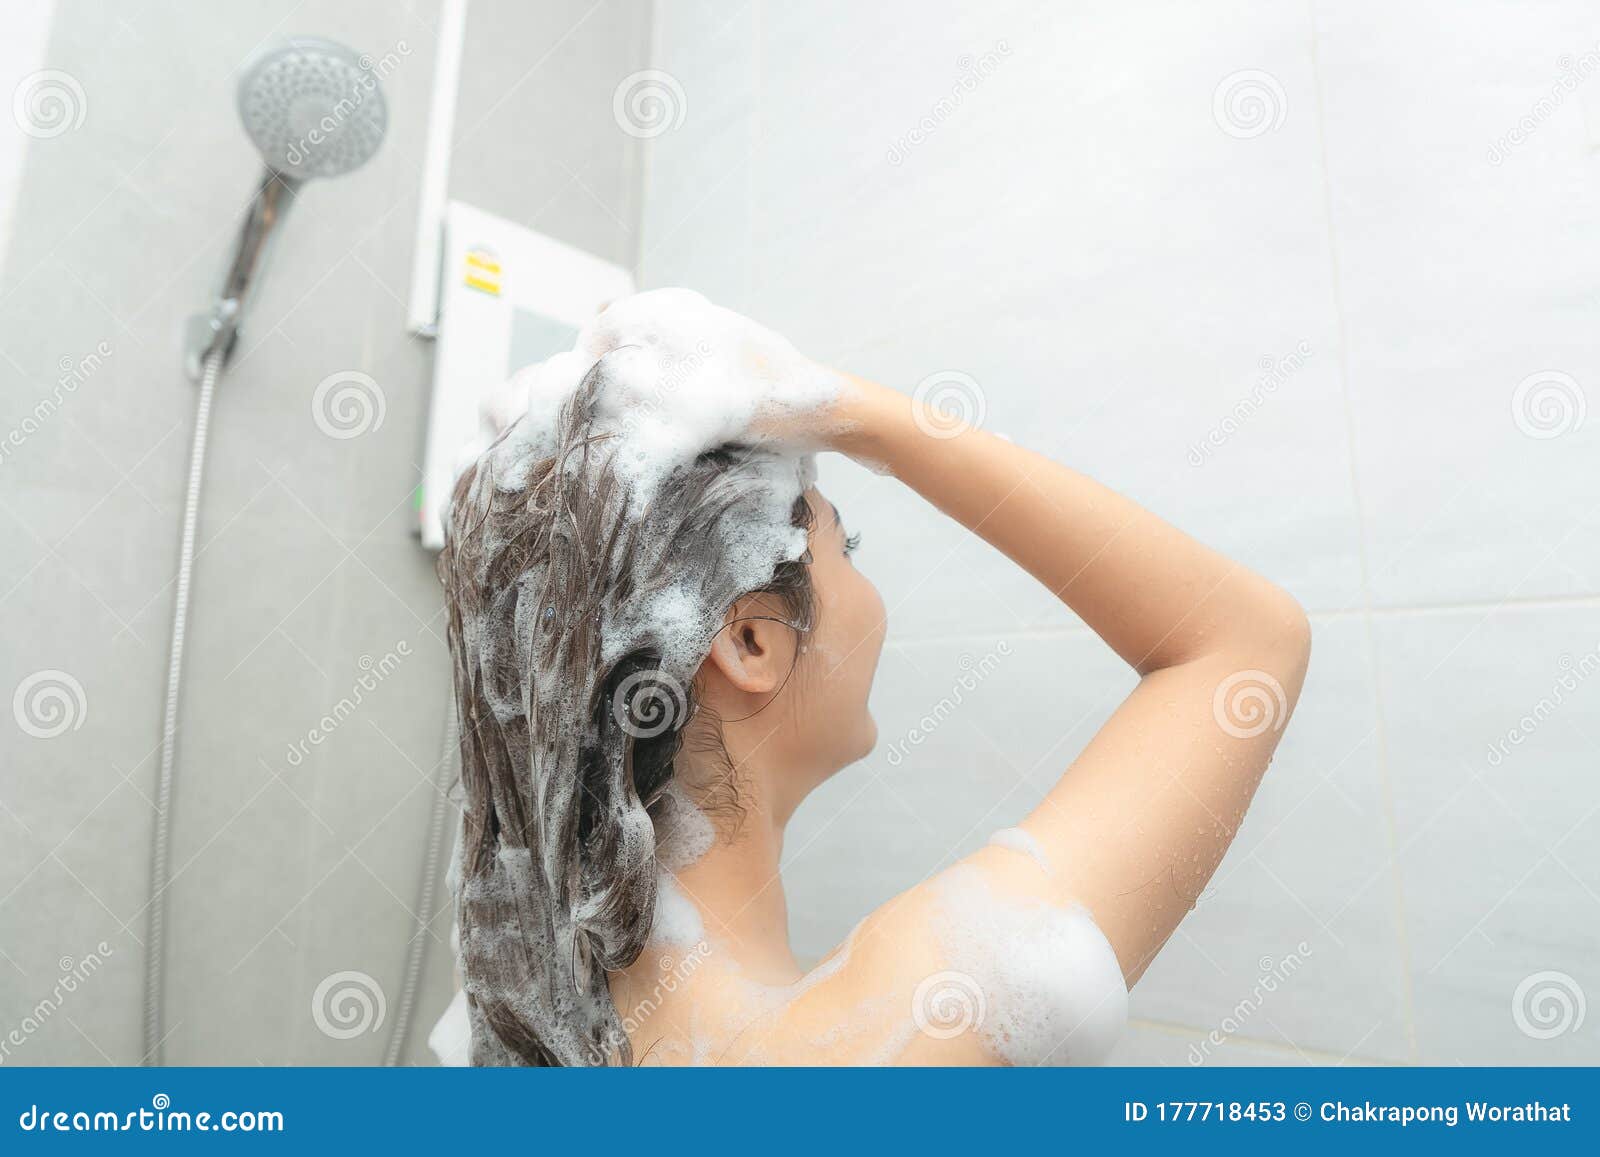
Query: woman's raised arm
[[1140, 821]]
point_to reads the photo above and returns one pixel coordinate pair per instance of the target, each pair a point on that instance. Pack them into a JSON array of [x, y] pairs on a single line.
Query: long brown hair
[[568, 737]]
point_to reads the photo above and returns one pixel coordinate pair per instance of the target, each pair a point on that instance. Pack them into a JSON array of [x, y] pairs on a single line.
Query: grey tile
[[577, 185], [55, 929], [306, 558], [238, 882], [1491, 723], [1467, 291]]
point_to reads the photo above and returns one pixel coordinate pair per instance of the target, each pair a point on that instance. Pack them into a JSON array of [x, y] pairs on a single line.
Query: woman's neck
[[739, 893]]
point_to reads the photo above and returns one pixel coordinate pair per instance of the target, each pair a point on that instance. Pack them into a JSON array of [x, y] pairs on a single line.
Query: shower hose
[[161, 844]]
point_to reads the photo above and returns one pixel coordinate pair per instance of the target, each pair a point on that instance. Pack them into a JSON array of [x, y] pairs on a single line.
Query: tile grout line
[[1337, 288]]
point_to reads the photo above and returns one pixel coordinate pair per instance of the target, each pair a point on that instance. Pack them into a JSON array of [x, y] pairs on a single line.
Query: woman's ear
[[752, 653]]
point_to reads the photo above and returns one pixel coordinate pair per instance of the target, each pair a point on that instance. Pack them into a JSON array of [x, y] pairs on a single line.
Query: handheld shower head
[[313, 108]]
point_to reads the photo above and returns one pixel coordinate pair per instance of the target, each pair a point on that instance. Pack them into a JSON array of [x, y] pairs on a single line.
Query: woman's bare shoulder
[[985, 963]]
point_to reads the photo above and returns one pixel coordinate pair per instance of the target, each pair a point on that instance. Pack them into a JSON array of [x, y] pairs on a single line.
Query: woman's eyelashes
[[851, 541]]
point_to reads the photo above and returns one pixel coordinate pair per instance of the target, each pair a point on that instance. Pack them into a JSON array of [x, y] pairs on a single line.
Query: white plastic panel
[[509, 297]]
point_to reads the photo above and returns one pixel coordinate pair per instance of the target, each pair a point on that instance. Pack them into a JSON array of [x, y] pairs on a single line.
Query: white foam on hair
[[1019, 840], [507, 888], [693, 375], [680, 377], [1053, 989], [683, 376]]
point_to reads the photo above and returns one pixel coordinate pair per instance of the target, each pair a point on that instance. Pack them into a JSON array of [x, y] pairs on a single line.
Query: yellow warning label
[[482, 271]]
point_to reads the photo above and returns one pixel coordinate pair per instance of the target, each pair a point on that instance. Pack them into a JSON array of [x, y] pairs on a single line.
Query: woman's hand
[[700, 375]]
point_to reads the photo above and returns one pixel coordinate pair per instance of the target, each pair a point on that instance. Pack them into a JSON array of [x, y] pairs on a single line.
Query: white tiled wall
[[1083, 237], [308, 574]]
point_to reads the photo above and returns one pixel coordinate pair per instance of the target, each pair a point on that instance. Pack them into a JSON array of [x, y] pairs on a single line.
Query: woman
[[661, 646]]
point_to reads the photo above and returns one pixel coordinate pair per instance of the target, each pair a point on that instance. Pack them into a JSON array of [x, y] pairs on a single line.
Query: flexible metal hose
[[427, 892], [161, 844], [155, 962]]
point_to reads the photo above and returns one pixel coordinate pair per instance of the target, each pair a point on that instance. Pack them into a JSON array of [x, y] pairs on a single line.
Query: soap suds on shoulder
[[1053, 989]]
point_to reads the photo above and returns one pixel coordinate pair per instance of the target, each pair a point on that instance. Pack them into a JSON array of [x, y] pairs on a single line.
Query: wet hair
[[574, 690]]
